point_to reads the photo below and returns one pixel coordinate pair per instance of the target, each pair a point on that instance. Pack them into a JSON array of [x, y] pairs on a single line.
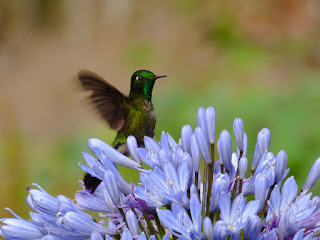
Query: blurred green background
[[257, 60]]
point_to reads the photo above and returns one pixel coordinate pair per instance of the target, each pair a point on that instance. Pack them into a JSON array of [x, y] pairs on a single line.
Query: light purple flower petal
[[96, 236], [225, 207], [84, 225], [260, 189], [207, 228], [126, 235], [112, 187], [132, 222], [168, 219], [288, 192], [220, 231], [151, 144], [27, 230]]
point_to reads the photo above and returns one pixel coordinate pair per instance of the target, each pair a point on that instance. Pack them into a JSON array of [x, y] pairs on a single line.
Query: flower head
[[183, 192]]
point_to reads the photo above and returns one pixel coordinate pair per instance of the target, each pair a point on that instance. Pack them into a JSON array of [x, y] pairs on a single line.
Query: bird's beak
[[160, 76]]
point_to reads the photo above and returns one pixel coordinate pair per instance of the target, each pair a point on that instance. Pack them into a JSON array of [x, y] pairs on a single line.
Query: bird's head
[[142, 82]]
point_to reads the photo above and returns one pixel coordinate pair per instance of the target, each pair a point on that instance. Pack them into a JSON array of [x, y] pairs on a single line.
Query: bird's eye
[[139, 78]]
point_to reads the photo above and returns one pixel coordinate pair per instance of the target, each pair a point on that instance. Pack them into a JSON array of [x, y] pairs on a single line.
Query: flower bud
[[96, 236], [283, 225], [133, 148], [238, 130], [262, 146], [126, 235], [195, 153], [112, 187], [211, 124], [281, 164], [202, 144], [132, 222], [220, 231], [313, 176], [207, 228], [201, 117], [243, 164], [225, 148], [260, 189], [13, 228], [186, 133], [151, 144], [263, 140], [252, 228]]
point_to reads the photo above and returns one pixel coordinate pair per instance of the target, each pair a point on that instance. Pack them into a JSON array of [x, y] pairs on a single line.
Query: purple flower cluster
[[184, 193]]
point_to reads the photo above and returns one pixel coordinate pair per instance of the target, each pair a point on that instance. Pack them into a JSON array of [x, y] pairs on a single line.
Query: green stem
[[234, 189], [212, 151], [123, 215], [252, 172], [161, 230], [204, 198], [211, 215], [242, 235], [210, 179], [117, 237], [196, 181], [237, 178], [149, 223], [140, 225], [241, 153], [215, 218], [240, 186]]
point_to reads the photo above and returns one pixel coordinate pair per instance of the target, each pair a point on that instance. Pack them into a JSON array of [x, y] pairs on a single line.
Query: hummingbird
[[129, 115]]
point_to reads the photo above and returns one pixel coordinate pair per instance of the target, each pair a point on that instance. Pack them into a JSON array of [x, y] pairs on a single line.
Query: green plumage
[[129, 115]]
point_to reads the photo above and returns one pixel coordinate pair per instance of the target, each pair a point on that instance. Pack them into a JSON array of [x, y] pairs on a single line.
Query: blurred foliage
[[256, 60]]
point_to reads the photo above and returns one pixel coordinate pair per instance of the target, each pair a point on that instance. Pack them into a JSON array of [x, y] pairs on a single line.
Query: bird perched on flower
[[129, 115]]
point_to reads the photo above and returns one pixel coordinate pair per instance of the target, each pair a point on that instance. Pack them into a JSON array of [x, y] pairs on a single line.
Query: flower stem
[[204, 194], [161, 230], [240, 186], [235, 187], [140, 225], [196, 181], [212, 151], [123, 215], [215, 218], [210, 179], [252, 172], [150, 226]]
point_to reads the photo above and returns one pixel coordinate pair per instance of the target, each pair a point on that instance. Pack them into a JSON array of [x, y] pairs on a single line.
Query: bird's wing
[[106, 98]]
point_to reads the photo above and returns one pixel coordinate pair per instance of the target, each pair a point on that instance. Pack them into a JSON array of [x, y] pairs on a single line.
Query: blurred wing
[[107, 99]]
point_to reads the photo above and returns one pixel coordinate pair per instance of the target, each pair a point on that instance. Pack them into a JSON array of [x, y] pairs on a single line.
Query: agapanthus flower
[[186, 191]]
